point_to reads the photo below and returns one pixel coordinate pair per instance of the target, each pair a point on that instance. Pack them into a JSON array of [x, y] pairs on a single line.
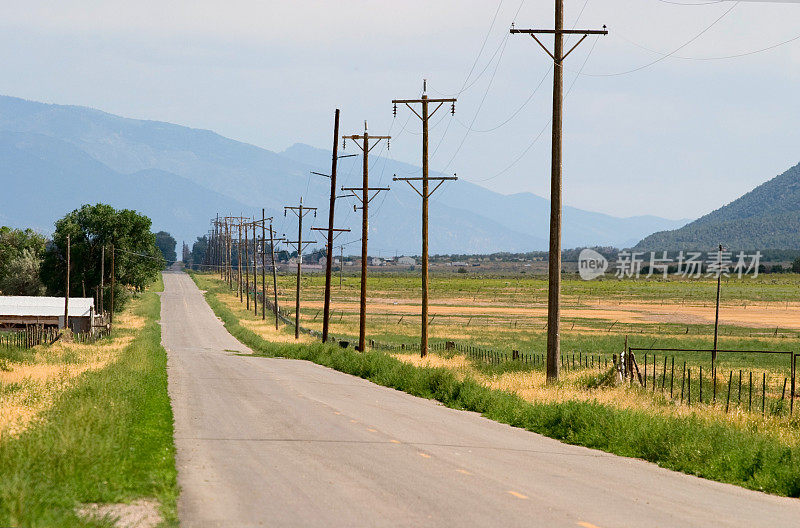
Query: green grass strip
[[715, 451], [108, 439]]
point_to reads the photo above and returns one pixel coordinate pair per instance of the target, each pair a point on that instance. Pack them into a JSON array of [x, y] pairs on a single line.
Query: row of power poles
[[247, 248], [364, 195], [422, 185]]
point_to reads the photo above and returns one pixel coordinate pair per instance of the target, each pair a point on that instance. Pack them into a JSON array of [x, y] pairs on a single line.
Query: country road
[[278, 442]]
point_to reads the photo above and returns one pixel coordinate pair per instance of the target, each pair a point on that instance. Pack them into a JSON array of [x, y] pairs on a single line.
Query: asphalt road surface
[[278, 442]]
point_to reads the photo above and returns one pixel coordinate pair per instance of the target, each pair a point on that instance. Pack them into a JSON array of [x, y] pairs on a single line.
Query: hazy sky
[[679, 137]]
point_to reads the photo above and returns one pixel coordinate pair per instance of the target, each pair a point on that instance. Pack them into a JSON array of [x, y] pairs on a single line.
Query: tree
[[20, 254], [199, 249], [137, 258], [166, 243], [796, 265], [23, 277]]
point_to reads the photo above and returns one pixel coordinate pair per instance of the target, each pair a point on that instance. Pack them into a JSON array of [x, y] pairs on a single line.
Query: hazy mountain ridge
[[181, 176], [768, 217]]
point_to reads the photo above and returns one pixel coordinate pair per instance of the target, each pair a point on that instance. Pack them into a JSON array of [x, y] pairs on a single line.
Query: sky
[[675, 113]]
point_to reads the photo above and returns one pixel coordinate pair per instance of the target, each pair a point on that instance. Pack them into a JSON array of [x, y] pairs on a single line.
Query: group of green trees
[[20, 261], [32, 265]]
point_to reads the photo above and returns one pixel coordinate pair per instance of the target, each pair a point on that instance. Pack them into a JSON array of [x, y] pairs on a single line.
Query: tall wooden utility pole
[[300, 211], [235, 221], [554, 255], [263, 266], [66, 296], [239, 259], [229, 251], [246, 262], [102, 278], [365, 198], [217, 262], [425, 194], [113, 285], [272, 241], [255, 270], [326, 309], [716, 315]]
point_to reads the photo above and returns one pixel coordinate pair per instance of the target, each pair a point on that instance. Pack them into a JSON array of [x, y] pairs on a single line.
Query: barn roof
[[44, 306]]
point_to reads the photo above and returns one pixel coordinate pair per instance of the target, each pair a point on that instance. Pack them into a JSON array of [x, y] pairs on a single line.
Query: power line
[[470, 128], [542, 131], [464, 87], [670, 54], [720, 57]]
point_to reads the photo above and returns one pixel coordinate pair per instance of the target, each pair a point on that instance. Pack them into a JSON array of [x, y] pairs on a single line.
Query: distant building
[[375, 261], [406, 261], [20, 311]]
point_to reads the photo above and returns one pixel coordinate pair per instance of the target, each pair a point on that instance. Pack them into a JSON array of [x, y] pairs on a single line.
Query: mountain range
[[768, 217], [56, 157]]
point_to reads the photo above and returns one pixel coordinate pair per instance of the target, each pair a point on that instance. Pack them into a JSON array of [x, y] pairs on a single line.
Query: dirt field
[[782, 315]]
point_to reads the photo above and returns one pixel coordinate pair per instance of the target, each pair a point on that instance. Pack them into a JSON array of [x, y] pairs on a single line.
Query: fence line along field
[[495, 328]]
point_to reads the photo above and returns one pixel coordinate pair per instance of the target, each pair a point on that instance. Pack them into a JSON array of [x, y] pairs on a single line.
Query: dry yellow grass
[[264, 329], [31, 387]]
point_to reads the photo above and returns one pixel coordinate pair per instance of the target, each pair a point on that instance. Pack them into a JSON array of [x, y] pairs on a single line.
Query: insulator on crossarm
[[453, 109], [388, 143], [394, 111]]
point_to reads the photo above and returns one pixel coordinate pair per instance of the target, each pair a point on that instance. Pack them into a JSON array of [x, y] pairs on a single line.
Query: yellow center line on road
[[517, 495], [464, 472], [395, 441], [353, 421], [372, 430], [424, 455], [587, 525], [336, 412]]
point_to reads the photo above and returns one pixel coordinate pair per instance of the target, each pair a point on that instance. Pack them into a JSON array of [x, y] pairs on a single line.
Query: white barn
[[20, 311]]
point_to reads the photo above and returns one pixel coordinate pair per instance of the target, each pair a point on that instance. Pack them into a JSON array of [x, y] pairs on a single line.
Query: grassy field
[[87, 424], [761, 453], [505, 314]]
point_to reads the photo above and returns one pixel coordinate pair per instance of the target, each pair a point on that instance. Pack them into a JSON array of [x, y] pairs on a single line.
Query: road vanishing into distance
[[280, 442]]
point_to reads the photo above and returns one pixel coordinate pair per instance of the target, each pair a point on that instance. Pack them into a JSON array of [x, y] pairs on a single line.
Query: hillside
[[63, 156], [768, 217]]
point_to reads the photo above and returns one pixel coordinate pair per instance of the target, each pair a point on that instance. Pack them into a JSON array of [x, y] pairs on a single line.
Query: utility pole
[[365, 198], [215, 245], [113, 284], [66, 297], [300, 211], [255, 270], [246, 265], [716, 316], [238, 225], [341, 265], [102, 277], [263, 266], [554, 255], [425, 193], [326, 309], [228, 251], [239, 259], [272, 241]]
